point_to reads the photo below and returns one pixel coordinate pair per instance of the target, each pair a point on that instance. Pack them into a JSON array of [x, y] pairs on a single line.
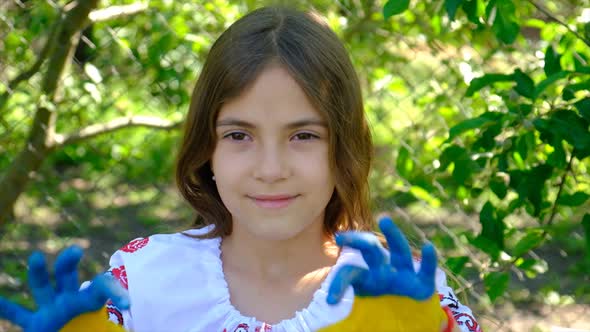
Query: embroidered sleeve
[[121, 317], [462, 314]]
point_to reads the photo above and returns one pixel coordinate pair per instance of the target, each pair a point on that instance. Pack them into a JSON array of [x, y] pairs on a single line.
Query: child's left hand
[[390, 295], [393, 275]]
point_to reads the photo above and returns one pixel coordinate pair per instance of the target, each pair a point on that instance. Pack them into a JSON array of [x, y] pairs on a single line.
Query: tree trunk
[[40, 141]]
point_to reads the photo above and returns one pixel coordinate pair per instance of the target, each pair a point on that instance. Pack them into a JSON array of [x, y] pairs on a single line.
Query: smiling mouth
[[273, 202]]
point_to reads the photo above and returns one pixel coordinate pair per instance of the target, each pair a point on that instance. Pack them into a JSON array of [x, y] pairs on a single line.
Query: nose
[[272, 164]]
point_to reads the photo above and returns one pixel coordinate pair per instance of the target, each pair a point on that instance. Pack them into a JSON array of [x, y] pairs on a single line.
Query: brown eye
[[236, 136], [305, 136]]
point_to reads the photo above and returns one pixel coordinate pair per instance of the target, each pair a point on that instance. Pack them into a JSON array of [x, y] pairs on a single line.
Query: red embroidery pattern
[[135, 245], [245, 328], [242, 328], [264, 328], [121, 274], [468, 321], [463, 319], [114, 314]]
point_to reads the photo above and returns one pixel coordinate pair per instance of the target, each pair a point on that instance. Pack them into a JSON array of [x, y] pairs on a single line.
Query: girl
[[275, 160]]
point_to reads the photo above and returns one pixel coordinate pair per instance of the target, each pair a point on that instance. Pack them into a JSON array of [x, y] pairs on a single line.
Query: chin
[[270, 233]]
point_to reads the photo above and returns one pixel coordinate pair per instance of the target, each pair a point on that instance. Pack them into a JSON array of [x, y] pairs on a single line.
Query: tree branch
[[568, 169], [556, 20], [114, 125], [114, 12], [35, 68]]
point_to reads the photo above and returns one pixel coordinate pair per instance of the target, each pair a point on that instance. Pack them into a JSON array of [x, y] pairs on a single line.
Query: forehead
[[274, 96]]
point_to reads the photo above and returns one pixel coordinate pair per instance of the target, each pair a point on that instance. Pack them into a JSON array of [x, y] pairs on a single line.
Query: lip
[[273, 201]]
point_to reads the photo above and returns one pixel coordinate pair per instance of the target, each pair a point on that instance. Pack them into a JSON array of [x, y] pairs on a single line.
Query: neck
[[284, 259]]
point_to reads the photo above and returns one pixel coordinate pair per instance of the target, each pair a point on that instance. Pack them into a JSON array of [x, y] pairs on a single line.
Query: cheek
[[227, 160], [317, 166]]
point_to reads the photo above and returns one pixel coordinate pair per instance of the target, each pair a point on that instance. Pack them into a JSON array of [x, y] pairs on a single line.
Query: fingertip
[[36, 259], [122, 303], [345, 238], [384, 221], [429, 250], [429, 259], [69, 257], [332, 299], [74, 250], [107, 287], [338, 239]]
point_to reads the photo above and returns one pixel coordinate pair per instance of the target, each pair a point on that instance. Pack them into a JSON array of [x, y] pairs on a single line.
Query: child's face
[[271, 161]]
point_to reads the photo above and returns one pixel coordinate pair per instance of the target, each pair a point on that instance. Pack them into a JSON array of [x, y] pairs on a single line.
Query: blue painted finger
[[113, 289], [66, 269], [347, 275], [367, 243], [427, 271], [102, 288], [41, 288], [14, 312], [399, 249]]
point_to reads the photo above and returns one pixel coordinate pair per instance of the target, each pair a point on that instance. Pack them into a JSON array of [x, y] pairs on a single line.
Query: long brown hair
[[317, 60]]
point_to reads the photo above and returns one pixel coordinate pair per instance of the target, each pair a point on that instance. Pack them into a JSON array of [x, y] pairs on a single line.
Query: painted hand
[[391, 274], [57, 306]]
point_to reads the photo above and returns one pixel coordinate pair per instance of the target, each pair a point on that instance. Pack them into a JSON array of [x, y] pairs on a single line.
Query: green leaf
[[532, 267], [568, 94], [525, 86], [463, 170], [573, 88], [575, 199], [526, 264], [573, 128], [404, 163], [492, 225], [451, 6], [471, 9], [505, 25], [552, 61], [456, 264], [525, 144], [544, 84], [586, 226], [487, 139], [531, 240], [496, 284], [479, 122], [583, 107], [536, 183], [422, 194], [450, 155], [530, 185], [557, 157], [395, 7], [499, 187], [464, 166], [486, 80], [487, 246]]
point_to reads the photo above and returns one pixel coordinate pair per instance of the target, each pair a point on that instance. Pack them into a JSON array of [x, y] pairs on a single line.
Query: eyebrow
[[291, 125]]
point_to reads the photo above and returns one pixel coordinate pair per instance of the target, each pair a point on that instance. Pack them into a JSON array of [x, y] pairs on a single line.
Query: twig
[[113, 125], [555, 19], [114, 12], [559, 191]]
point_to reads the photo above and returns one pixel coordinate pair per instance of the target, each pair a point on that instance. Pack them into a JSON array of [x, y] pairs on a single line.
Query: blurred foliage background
[[479, 109]]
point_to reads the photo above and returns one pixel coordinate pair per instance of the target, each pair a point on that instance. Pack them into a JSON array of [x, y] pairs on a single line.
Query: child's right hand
[[60, 304]]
